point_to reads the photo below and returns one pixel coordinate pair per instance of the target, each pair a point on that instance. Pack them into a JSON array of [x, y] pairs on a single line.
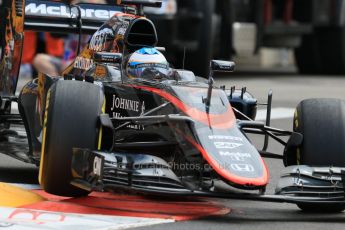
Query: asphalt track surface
[[289, 89]]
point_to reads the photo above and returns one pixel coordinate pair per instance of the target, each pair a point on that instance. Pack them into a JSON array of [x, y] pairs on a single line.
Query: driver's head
[[147, 63]]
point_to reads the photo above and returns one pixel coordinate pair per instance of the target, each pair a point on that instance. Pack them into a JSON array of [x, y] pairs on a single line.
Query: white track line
[[27, 186], [26, 219], [277, 113]]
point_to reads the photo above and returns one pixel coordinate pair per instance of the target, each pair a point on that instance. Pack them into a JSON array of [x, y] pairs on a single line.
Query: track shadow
[[255, 215], [19, 175]]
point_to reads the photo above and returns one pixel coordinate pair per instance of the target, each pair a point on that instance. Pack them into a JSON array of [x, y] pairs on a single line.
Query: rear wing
[[63, 18], [50, 16], [19, 15]]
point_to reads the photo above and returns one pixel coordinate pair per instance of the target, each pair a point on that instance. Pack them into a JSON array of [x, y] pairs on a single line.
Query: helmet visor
[[149, 71]]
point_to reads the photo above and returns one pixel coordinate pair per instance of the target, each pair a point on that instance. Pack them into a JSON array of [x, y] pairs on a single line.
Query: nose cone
[[232, 156]]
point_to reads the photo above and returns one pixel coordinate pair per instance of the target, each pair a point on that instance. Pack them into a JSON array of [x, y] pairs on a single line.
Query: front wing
[[101, 171]]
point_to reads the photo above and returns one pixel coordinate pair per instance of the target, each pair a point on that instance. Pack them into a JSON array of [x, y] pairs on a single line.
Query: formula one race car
[[121, 118]]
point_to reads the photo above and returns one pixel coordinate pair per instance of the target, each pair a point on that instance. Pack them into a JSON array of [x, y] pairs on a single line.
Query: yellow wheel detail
[[296, 119], [298, 156], [101, 129], [44, 138], [298, 152]]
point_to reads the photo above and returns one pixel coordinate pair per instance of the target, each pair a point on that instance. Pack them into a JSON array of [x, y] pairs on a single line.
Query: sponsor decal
[[129, 105], [224, 137], [142, 109], [136, 127], [235, 156], [126, 104], [43, 9], [122, 30], [158, 172], [99, 39], [242, 167], [97, 166], [227, 145], [83, 63]]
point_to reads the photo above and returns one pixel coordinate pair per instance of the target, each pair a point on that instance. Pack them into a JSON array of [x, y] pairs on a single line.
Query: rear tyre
[[322, 124], [71, 119]]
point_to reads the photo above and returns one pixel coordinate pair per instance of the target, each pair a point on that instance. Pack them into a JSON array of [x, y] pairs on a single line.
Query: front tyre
[[322, 124], [71, 121]]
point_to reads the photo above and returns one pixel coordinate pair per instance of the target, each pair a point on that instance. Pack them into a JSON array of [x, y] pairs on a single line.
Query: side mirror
[[107, 57], [222, 66]]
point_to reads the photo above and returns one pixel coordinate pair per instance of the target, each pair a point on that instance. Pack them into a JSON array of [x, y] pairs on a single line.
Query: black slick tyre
[[71, 120], [322, 124]]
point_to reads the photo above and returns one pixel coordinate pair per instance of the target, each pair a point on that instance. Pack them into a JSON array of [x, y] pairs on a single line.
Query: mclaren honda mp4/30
[[121, 118]]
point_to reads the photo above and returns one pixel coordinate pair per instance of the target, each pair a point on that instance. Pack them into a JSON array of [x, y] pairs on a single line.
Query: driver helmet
[[147, 63]]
